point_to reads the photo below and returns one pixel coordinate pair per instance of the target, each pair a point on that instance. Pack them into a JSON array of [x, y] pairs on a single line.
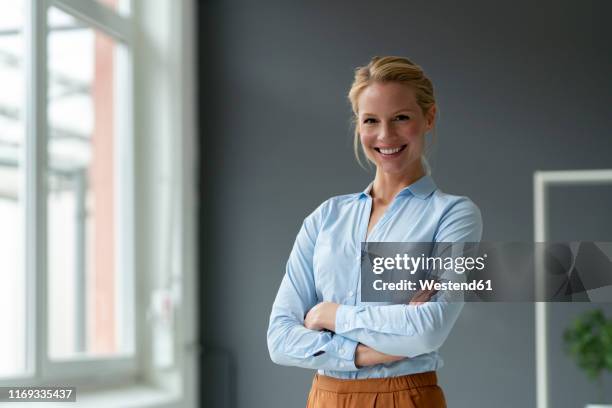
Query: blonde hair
[[391, 69]]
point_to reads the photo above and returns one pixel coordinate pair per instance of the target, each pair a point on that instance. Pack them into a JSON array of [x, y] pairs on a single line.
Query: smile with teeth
[[390, 150]]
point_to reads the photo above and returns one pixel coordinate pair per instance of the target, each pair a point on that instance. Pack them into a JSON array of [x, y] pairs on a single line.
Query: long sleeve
[[289, 342], [409, 330]]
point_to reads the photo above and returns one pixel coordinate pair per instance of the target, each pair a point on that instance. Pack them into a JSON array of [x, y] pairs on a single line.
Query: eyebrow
[[396, 112]]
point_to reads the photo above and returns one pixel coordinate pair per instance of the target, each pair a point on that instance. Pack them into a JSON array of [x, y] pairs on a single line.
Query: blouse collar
[[421, 188]]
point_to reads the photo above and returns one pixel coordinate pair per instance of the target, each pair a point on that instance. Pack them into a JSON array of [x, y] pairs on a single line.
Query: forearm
[[290, 343], [367, 356], [400, 330]]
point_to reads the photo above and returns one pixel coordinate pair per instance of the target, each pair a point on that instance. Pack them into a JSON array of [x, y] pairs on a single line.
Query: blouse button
[[351, 293]]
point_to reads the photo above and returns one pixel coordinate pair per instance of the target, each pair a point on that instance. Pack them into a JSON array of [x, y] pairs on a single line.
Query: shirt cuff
[[345, 350], [341, 348], [345, 318]]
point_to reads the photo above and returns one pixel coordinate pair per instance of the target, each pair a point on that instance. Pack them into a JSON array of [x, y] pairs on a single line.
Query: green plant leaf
[[588, 340]]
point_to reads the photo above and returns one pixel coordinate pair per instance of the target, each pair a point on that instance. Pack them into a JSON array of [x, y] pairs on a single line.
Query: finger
[[420, 296]]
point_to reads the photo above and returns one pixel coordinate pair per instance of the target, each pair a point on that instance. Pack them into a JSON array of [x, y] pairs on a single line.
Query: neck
[[387, 185]]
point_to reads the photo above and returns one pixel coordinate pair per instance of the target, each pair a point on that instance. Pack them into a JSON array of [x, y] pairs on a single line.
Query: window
[[84, 135], [97, 269], [84, 192], [12, 197]]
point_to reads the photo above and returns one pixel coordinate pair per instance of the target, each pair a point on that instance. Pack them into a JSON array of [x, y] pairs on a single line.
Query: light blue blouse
[[324, 265]]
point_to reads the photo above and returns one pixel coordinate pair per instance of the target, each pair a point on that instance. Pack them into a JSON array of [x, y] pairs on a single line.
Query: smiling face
[[392, 127]]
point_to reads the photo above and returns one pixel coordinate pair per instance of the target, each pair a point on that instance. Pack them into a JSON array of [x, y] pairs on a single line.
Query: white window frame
[[542, 181], [165, 172]]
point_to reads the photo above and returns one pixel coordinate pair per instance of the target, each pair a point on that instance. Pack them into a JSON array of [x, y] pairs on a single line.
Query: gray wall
[[519, 88]]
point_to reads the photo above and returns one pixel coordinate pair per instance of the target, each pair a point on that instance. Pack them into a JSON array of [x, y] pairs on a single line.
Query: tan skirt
[[408, 391]]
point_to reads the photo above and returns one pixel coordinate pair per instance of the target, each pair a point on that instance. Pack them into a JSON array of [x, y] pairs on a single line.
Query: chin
[[404, 167], [394, 169]]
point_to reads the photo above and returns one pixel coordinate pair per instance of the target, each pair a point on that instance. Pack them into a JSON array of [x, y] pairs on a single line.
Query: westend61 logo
[[578, 271], [411, 264]]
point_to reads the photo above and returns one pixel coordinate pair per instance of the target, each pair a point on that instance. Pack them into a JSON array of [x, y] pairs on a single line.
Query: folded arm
[[403, 330], [409, 330], [289, 342]]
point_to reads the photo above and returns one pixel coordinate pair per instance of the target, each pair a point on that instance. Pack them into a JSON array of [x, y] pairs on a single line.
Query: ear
[[431, 117]]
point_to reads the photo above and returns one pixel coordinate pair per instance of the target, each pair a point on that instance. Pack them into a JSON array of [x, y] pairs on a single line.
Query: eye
[[369, 120], [402, 117]]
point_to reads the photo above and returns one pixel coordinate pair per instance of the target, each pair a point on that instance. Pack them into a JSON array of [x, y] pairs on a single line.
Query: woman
[[373, 355]]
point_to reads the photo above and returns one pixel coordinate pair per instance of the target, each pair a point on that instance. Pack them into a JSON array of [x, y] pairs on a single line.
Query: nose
[[386, 131]]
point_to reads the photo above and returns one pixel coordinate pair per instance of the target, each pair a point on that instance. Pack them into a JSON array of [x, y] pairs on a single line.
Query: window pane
[[121, 6], [88, 304], [12, 182]]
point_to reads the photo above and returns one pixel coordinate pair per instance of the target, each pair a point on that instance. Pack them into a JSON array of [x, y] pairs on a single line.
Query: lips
[[390, 151]]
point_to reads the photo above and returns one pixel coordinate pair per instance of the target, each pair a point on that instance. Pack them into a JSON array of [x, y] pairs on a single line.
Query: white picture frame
[[542, 181]]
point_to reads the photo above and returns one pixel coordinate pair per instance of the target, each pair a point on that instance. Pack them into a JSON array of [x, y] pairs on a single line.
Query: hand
[[322, 317], [367, 356], [422, 296]]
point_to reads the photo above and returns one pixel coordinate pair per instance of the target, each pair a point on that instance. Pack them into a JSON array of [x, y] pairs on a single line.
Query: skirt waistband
[[389, 384]]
